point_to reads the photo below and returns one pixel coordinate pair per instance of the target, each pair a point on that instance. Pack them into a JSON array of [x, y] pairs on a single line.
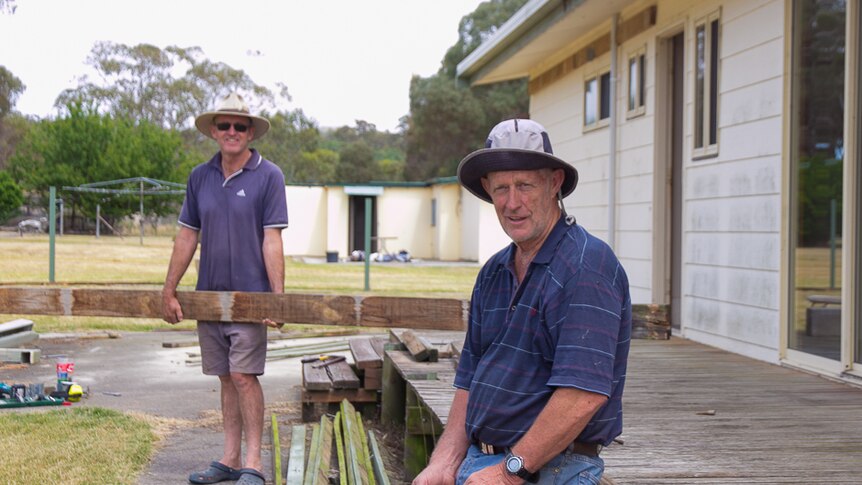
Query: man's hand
[[493, 475], [436, 475], [172, 312], [271, 323]]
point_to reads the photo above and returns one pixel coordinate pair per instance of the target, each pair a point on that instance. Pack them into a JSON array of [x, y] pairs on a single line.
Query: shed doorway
[[356, 229]]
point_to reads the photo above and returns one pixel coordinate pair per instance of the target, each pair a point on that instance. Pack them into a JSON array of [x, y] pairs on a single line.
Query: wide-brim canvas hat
[[231, 105], [514, 144]]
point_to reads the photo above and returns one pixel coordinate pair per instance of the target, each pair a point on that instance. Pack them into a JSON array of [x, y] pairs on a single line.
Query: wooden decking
[[698, 415], [771, 424]]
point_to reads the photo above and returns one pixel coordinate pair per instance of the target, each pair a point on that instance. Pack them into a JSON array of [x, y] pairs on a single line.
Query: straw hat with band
[[231, 105], [514, 145]]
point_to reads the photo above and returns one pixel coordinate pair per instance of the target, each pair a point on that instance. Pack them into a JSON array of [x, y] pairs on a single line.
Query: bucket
[[65, 369]]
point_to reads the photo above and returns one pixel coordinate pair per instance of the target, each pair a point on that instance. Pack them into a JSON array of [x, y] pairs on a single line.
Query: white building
[[436, 220], [710, 137]]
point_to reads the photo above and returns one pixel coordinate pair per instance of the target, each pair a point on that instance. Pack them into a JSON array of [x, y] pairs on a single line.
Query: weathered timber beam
[[234, 306], [230, 306]]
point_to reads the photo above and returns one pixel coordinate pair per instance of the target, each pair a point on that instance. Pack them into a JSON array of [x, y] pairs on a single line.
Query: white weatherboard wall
[[306, 232], [447, 231], [731, 203], [405, 215]]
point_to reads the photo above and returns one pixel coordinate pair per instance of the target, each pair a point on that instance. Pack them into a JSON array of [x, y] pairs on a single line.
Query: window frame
[[596, 77], [636, 94], [705, 90]]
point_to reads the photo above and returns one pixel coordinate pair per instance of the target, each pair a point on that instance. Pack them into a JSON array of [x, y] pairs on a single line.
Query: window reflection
[[817, 161]]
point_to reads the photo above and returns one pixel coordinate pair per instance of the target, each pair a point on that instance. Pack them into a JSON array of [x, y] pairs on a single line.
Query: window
[[637, 80], [706, 33], [597, 100]]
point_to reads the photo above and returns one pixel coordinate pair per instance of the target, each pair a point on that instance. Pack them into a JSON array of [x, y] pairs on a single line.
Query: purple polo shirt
[[230, 216], [568, 324]]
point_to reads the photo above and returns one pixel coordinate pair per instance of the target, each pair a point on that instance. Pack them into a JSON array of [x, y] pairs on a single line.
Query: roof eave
[[534, 18]]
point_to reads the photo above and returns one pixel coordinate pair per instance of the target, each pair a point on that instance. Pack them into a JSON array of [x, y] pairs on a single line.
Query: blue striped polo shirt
[[230, 215], [567, 325]]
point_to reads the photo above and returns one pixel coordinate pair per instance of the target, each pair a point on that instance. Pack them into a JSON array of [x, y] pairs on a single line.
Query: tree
[[10, 88], [292, 135], [356, 163], [315, 167], [12, 130], [84, 146], [442, 128], [10, 196], [139, 83], [448, 120]]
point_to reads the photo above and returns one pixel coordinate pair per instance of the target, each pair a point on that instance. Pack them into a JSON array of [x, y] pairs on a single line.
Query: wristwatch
[[515, 466]]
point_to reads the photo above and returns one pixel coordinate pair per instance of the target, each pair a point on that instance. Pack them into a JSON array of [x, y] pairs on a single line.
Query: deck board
[[771, 424]]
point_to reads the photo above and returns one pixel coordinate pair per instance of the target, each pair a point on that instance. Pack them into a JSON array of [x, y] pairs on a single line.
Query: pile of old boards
[[331, 379], [418, 375], [359, 461], [13, 336]]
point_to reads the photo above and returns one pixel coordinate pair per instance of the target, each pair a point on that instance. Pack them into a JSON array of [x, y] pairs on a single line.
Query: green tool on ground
[[20, 395]]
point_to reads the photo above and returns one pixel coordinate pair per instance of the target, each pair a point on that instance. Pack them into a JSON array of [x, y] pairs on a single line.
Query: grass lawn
[[87, 261], [74, 446]]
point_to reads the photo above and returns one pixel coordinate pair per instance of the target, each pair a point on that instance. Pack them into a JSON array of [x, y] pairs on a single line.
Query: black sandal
[[214, 474]]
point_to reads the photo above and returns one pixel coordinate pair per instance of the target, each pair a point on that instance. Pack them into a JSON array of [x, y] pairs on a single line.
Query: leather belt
[[576, 447]]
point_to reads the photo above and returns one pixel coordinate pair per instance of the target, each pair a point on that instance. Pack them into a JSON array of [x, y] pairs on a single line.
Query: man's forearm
[[273, 259], [452, 445], [561, 421]]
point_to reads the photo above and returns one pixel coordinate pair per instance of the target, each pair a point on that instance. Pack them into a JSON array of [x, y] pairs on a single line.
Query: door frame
[[663, 252]]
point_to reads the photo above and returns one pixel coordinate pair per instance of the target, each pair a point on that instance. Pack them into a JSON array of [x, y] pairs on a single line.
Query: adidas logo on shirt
[[241, 193]]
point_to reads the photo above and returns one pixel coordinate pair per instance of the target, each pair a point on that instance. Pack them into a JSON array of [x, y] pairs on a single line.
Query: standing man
[[541, 375], [236, 205]]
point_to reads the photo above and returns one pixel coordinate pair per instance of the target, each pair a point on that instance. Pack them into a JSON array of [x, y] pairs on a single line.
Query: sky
[[341, 60]]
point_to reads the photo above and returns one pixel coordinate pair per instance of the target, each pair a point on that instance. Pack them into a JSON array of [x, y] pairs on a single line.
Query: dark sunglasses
[[239, 127]]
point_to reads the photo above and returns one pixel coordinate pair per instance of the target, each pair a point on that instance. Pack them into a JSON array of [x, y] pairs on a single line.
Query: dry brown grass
[[85, 260]]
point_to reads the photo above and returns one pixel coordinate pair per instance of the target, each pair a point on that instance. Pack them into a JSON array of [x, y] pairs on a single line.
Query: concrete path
[[134, 373]]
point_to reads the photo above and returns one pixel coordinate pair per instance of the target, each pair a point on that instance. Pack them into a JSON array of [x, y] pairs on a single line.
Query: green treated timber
[[311, 470], [420, 420], [296, 461], [417, 448], [353, 445], [377, 460], [394, 387], [276, 452], [366, 453], [324, 457], [339, 448]]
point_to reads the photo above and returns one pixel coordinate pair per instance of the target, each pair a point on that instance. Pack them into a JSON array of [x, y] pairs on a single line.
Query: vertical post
[[98, 220], [60, 201], [833, 229], [367, 243], [52, 231], [142, 211]]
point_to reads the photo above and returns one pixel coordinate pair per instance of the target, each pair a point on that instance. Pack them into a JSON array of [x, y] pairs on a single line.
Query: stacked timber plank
[[325, 380], [359, 461], [368, 355], [14, 335]]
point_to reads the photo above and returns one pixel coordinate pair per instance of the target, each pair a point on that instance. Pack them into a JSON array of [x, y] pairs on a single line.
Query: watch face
[[514, 464]]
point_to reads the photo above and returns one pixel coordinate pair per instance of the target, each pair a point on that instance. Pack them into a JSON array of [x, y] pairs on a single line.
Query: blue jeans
[[565, 468]]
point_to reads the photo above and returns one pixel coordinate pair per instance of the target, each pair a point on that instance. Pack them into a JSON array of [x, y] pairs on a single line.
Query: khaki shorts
[[232, 347]]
